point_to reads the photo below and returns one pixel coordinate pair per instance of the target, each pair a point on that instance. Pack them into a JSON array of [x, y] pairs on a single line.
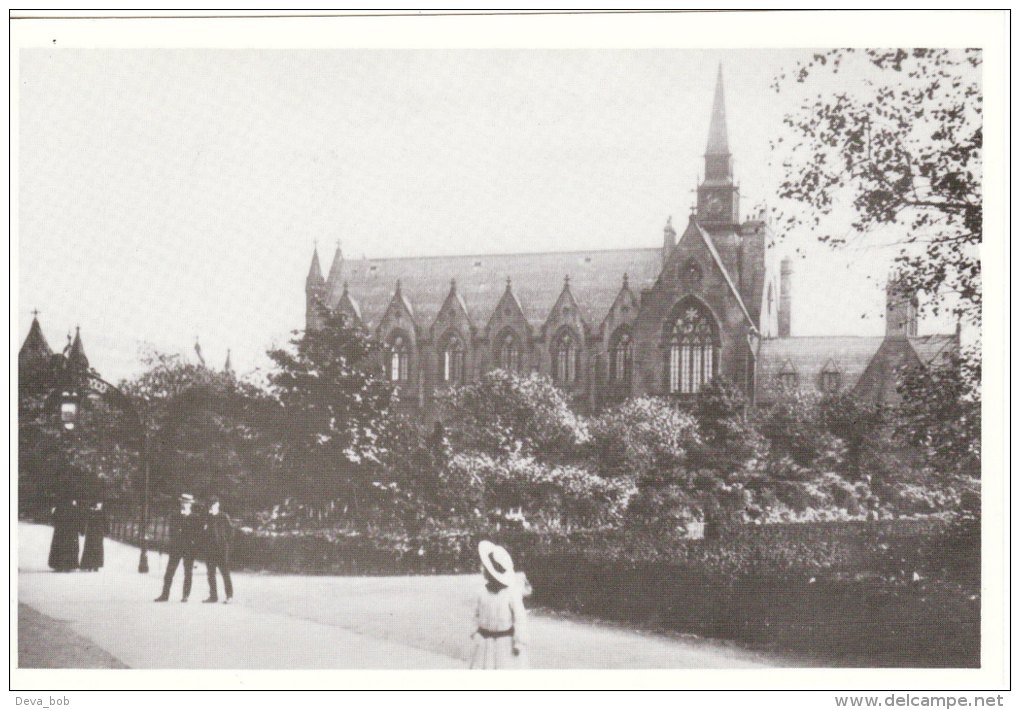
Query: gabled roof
[[566, 298], [623, 293], [399, 301], [508, 299], [454, 301], [808, 356], [537, 281], [707, 238], [349, 304]]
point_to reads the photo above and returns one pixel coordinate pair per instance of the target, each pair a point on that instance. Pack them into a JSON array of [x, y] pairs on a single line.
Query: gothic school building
[[607, 325]]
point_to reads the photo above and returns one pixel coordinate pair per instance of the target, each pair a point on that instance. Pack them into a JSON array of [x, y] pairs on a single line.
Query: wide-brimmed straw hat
[[497, 562], [187, 498]]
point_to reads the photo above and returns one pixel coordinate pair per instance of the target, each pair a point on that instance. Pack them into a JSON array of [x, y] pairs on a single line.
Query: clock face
[[715, 206]]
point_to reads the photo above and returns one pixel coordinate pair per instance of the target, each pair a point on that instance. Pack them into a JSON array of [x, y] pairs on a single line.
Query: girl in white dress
[[500, 617]]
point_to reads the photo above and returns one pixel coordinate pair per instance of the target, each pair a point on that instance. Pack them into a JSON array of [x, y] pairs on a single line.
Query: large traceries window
[[400, 360], [566, 358], [621, 357], [453, 360], [692, 352]]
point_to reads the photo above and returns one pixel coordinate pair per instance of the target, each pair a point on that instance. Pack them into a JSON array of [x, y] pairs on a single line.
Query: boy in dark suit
[[216, 537], [184, 534]]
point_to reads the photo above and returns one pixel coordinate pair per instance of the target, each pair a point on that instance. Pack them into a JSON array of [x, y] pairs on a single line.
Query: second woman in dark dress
[[97, 526]]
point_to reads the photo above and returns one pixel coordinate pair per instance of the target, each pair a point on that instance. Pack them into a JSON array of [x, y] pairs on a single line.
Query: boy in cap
[[184, 531]]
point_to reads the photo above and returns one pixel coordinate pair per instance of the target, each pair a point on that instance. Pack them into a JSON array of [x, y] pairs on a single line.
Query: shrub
[[730, 441], [642, 436], [540, 493], [504, 412], [794, 428]]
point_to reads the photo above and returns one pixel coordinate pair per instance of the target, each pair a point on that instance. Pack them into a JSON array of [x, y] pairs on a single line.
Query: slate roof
[[848, 355], [931, 348], [809, 356], [596, 278]]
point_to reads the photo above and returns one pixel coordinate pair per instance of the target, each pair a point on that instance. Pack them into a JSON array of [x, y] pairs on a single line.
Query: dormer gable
[[565, 313], [508, 313], [453, 314], [349, 306], [399, 314], [623, 311]]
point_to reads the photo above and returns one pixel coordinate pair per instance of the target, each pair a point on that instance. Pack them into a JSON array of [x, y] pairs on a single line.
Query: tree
[[332, 408], [940, 411], [854, 421], [905, 149], [730, 440], [42, 456], [206, 432], [794, 428], [641, 437], [504, 412]]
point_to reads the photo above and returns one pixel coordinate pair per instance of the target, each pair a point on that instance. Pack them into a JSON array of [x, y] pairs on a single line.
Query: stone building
[[713, 299]]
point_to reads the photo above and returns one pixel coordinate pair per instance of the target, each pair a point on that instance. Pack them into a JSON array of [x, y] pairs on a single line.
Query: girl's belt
[[486, 634]]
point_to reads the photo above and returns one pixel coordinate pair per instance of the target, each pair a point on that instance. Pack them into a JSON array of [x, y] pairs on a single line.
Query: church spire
[[314, 278], [35, 346], [718, 196], [315, 294], [335, 278], [718, 141], [76, 356]]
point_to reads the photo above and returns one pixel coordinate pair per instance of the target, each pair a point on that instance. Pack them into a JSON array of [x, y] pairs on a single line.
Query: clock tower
[[718, 197]]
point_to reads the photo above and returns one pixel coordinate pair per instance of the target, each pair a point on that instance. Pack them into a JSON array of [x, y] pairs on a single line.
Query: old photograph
[[498, 358]]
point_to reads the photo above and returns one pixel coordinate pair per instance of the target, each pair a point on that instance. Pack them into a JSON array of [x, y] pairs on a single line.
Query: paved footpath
[[312, 622]]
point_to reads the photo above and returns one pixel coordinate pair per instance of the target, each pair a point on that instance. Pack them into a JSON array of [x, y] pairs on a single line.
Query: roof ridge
[[722, 268], [507, 254]]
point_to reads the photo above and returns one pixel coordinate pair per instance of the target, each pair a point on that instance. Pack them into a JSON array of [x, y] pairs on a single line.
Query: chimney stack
[[785, 296]]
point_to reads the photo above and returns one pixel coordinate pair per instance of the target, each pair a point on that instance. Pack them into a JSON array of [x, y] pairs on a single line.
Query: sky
[[169, 195]]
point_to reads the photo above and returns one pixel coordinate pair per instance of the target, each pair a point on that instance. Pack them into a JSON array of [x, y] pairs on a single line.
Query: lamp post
[[754, 343], [68, 410]]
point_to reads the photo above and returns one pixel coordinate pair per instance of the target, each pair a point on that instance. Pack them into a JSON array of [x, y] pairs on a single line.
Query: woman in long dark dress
[[66, 526], [96, 527]]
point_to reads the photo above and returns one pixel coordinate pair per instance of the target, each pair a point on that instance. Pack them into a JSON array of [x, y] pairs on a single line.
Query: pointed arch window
[[566, 358], [453, 360], [693, 351], [508, 352], [621, 356], [399, 360]]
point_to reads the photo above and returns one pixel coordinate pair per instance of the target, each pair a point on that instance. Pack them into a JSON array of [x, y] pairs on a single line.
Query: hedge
[[866, 593]]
